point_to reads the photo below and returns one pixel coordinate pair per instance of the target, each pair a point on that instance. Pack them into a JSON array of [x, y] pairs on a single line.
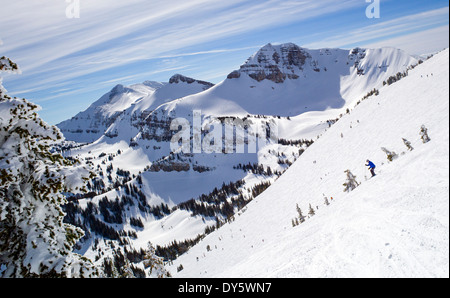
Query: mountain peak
[[119, 88], [275, 63]]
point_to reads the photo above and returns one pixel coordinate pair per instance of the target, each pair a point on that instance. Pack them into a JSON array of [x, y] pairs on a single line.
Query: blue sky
[[68, 63]]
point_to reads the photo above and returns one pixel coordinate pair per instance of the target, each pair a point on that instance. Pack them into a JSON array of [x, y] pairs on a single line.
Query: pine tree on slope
[[34, 241], [424, 134], [408, 144], [311, 211], [154, 263], [351, 183], [391, 155], [300, 214]]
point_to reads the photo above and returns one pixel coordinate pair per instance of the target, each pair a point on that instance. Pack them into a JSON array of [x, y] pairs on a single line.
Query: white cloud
[[386, 29], [419, 43]]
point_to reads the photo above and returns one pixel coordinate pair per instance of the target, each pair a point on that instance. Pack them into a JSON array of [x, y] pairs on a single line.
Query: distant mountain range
[[284, 80]]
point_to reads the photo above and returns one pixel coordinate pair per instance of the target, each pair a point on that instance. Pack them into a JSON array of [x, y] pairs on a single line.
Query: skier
[[371, 167]]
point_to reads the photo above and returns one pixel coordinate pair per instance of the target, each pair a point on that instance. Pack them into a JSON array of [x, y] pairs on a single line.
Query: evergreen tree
[[424, 134], [127, 271], [180, 268], [408, 144], [6, 65], [109, 268], [154, 263], [351, 183], [34, 241], [301, 218], [311, 211], [390, 155]]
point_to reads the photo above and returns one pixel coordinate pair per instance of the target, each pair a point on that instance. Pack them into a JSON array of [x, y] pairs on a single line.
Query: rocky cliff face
[[274, 63], [175, 79]]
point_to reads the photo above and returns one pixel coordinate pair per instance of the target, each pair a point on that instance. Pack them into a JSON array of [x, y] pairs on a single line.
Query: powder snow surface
[[393, 225]]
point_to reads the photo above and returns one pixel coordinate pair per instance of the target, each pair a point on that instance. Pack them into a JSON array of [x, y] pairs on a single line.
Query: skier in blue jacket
[[371, 167]]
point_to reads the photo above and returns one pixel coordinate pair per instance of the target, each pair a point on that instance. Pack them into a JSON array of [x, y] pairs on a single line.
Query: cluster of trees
[[123, 173], [391, 155], [257, 169], [179, 162], [332, 121], [119, 266], [260, 188], [372, 92], [200, 168], [122, 263], [301, 142], [301, 218], [100, 219], [175, 249], [96, 185], [96, 219], [395, 78], [103, 219], [216, 203], [398, 76], [87, 220]]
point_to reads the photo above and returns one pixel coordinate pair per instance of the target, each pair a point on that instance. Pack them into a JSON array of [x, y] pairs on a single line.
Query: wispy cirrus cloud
[[386, 29], [110, 34], [167, 56], [418, 43], [130, 40]]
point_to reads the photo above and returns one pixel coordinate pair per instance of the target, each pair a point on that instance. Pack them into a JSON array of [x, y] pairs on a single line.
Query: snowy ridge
[[91, 124], [288, 80], [393, 225]]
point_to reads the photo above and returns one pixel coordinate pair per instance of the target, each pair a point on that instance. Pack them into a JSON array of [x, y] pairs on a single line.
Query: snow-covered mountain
[[279, 80], [147, 190], [91, 124], [288, 80], [392, 225]]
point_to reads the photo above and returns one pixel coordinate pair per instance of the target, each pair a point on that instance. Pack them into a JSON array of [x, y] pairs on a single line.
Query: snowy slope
[[393, 225], [288, 80]]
